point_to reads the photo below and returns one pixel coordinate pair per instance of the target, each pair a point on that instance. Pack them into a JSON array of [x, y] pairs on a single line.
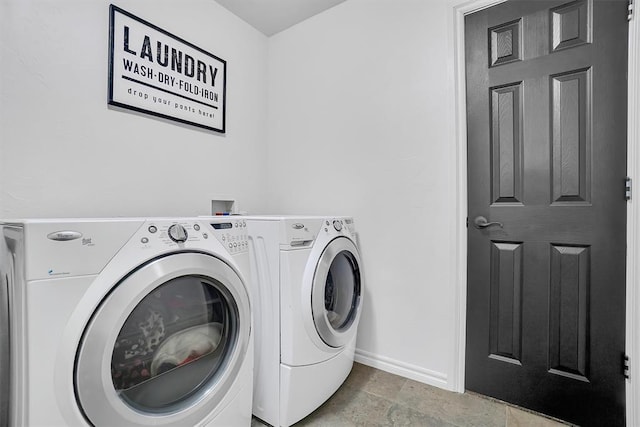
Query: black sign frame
[[195, 106]]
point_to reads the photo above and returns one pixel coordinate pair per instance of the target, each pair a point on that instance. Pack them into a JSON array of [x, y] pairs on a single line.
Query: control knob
[[177, 233], [337, 225]]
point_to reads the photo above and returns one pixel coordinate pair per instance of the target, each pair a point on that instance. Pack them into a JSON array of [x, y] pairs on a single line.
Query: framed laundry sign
[[154, 72]]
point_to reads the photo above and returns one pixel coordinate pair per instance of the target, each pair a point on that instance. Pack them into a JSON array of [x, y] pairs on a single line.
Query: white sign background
[[155, 72]]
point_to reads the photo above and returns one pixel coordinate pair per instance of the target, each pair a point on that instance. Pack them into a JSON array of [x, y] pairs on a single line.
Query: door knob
[[481, 222]]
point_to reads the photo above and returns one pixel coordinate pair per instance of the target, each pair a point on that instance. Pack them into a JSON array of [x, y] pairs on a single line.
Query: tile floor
[[370, 397]]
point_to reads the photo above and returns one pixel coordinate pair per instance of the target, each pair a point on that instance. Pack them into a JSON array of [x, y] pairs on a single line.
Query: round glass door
[[336, 294], [176, 339], [165, 346]]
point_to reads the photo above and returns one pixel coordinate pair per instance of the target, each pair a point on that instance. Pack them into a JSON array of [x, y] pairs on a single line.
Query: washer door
[[335, 297], [165, 346]]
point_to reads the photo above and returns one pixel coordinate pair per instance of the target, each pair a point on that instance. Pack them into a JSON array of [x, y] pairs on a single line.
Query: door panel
[[571, 136], [568, 311], [506, 143], [546, 117], [505, 334]]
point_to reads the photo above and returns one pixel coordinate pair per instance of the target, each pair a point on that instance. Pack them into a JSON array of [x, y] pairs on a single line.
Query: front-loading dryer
[[307, 291], [128, 322]]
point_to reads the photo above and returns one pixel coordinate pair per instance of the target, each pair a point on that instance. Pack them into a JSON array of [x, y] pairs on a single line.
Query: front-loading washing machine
[[127, 322], [307, 290]]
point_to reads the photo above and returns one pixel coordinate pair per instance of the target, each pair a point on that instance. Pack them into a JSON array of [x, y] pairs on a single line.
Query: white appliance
[[128, 322], [307, 290]]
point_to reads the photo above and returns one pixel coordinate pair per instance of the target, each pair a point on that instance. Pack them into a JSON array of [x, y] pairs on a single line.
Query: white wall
[[64, 153], [361, 122], [356, 103]]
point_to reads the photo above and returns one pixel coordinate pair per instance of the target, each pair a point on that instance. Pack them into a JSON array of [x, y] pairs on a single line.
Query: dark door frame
[[460, 8]]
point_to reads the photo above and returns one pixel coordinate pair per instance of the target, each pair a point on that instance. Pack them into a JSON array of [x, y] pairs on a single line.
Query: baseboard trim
[[406, 370]]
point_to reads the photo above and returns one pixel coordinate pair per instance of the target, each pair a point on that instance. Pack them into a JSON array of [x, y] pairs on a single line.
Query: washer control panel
[[177, 233], [170, 233], [232, 233]]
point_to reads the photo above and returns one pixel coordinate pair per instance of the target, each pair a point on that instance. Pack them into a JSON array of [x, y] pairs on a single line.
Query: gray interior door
[[4, 343], [547, 96]]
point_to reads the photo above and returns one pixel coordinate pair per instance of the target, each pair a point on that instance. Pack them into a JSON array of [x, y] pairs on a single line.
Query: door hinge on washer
[[630, 10], [626, 369], [627, 188]]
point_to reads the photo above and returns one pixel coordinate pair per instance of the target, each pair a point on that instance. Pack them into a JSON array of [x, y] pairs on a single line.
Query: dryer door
[[336, 297], [165, 345]]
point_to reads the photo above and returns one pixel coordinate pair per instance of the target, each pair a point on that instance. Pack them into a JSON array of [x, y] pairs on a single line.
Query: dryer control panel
[[339, 226]]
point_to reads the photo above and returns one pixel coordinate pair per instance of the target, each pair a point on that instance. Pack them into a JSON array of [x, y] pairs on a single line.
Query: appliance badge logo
[[297, 226], [51, 272], [87, 242], [64, 235]]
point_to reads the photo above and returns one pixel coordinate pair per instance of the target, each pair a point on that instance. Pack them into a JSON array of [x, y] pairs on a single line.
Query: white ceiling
[[272, 16]]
